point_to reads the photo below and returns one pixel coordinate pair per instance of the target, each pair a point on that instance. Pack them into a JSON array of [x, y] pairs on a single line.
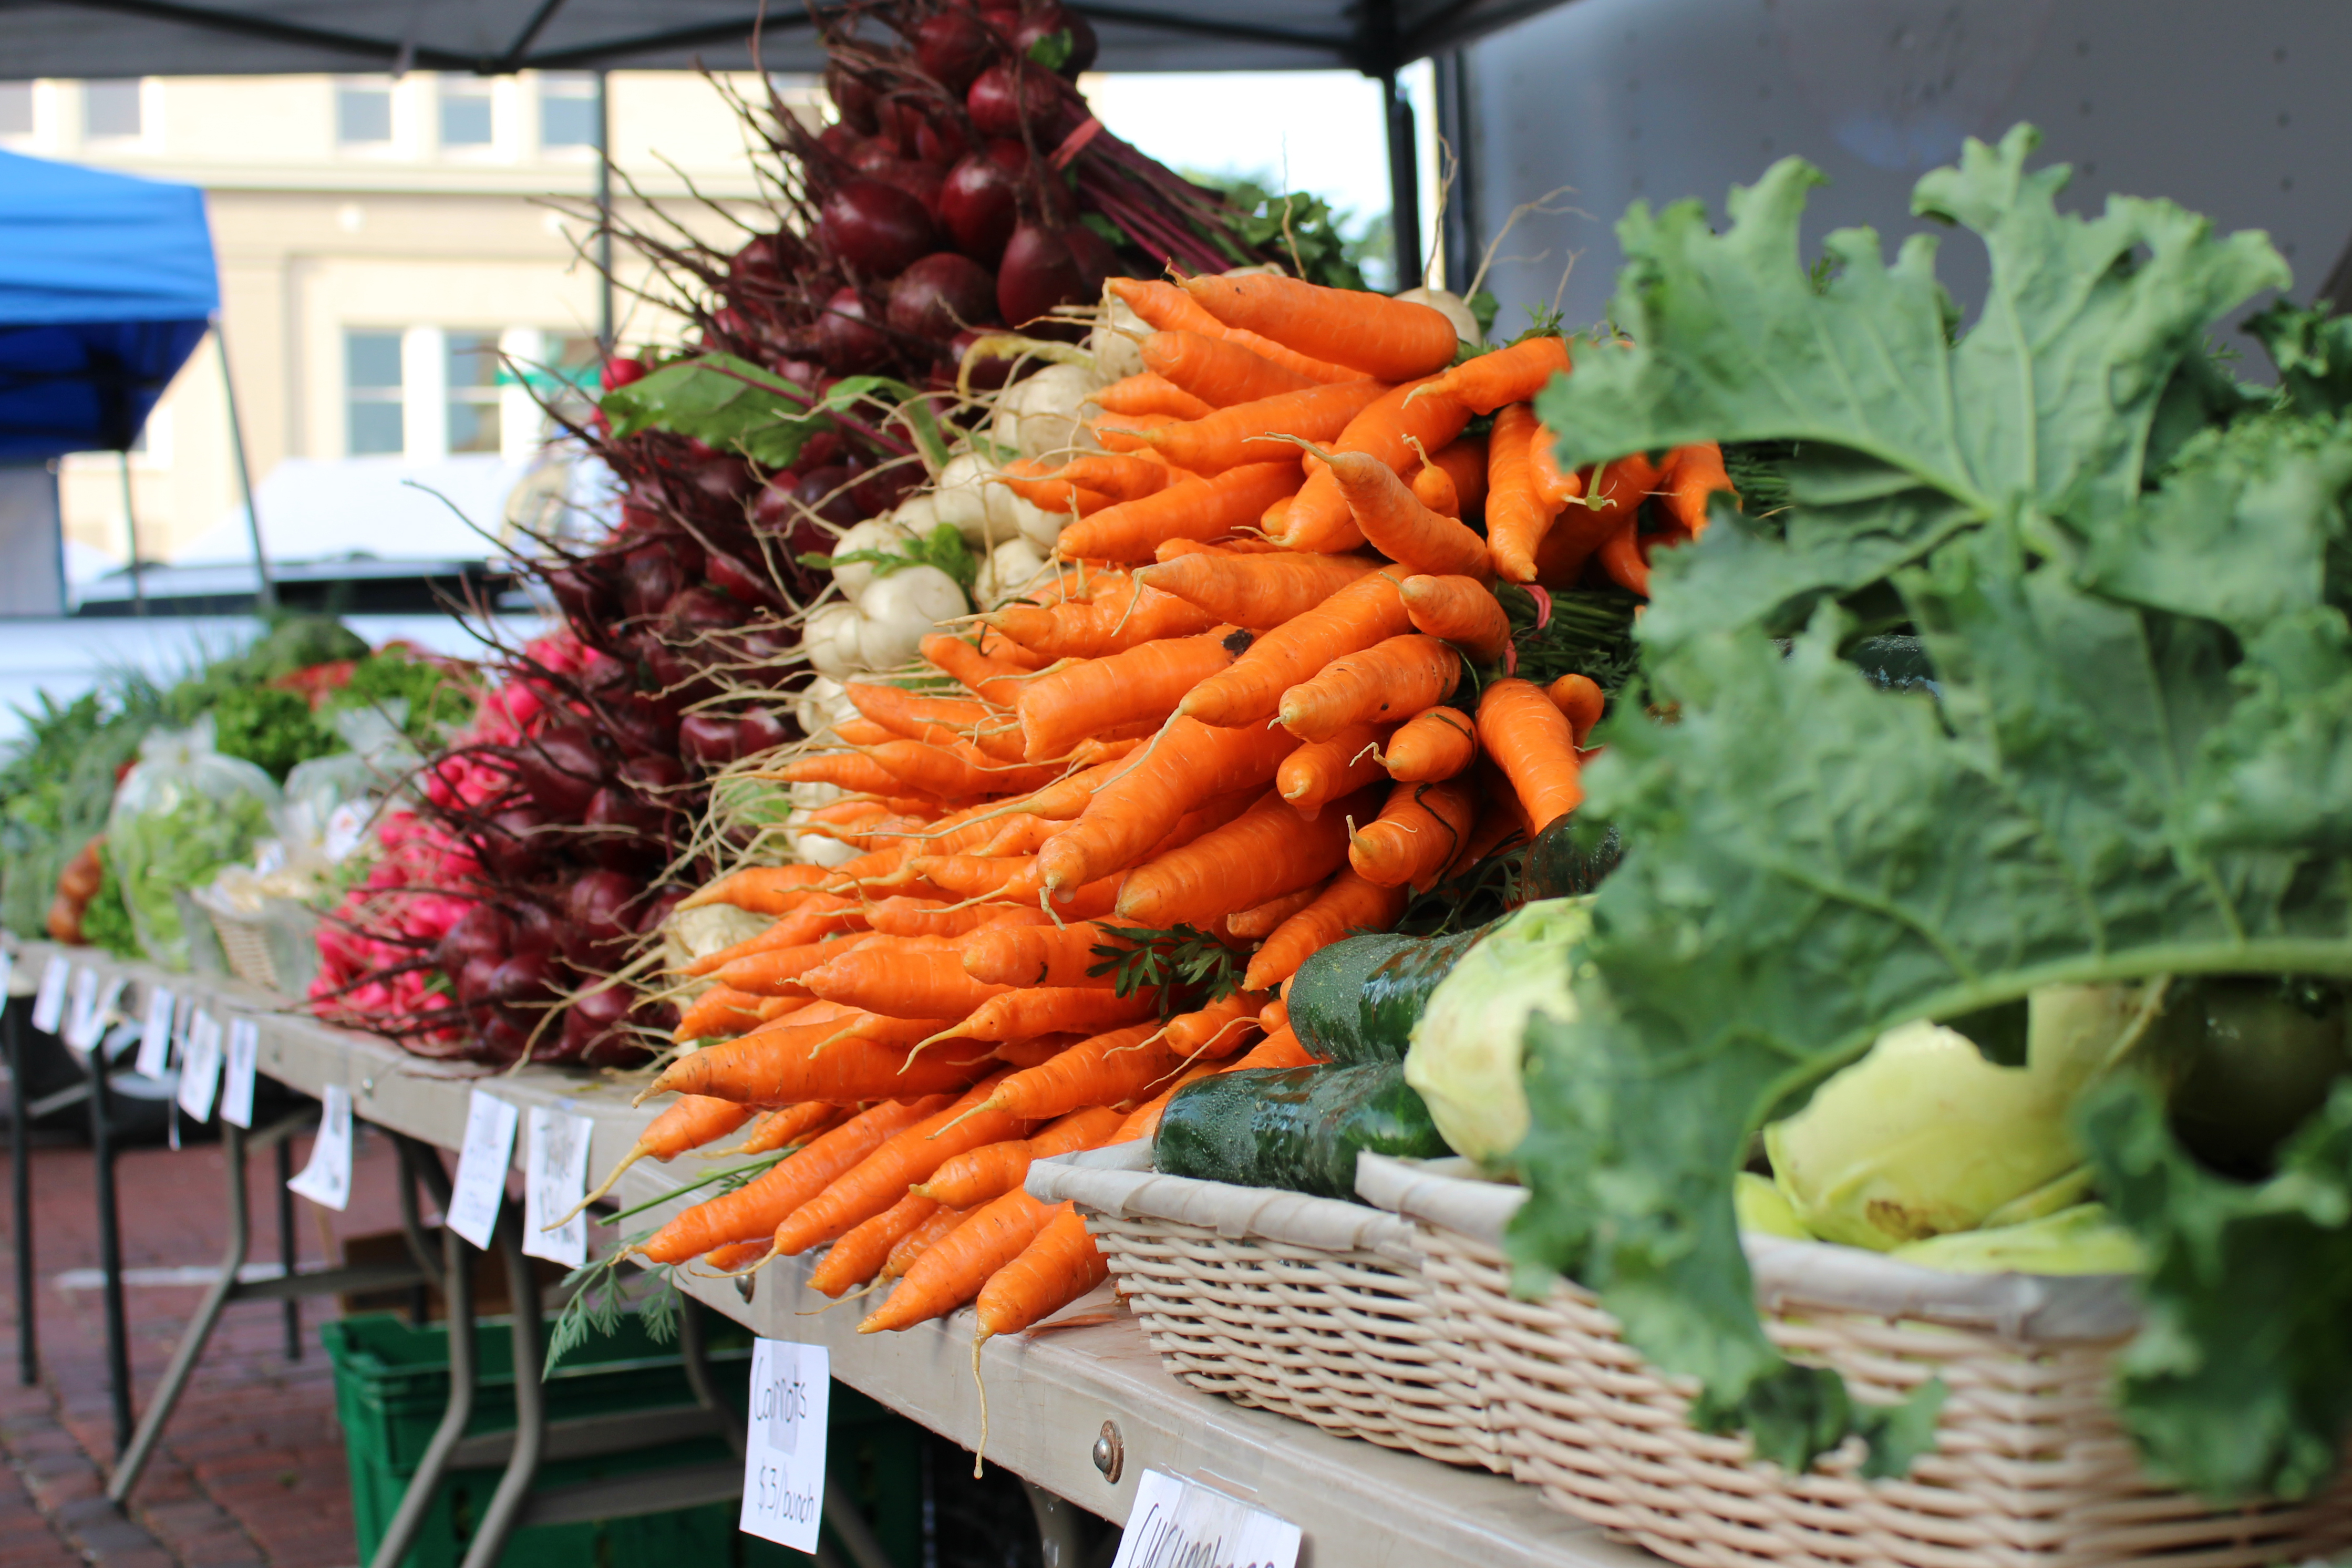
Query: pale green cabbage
[[2077, 1240]]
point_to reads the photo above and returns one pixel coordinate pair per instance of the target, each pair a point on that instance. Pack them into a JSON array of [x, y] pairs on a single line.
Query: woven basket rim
[[1792, 1276], [1129, 1188]]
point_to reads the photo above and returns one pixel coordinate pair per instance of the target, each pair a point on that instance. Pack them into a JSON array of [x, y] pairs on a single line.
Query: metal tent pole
[[130, 532], [607, 324], [20, 1188], [1405, 181], [110, 1245], [265, 596]]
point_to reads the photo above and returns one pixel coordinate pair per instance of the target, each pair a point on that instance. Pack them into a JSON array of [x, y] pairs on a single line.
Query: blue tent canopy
[[106, 287]]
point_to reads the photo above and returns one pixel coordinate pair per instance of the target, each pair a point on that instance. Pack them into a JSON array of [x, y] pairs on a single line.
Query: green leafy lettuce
[[2134, 759]]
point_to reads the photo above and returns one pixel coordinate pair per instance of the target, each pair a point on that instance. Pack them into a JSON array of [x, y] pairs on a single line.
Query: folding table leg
[[457, 1277], [20, 1187], [506, 1505], [142, 1446], [292, 1305], [109, 1247]]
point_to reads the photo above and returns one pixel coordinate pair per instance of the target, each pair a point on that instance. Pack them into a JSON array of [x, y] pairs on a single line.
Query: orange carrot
[[1217, 1030], [1393, 340], [979, 1175], [1515, 375], [1464, 462], [1188, 764], [690, 1123], [1169, 309], [763, 890], [1124, 432], [1064, 707], [1279, 1049], [1518, 516], [921, 716], [853, 1059], [1620, 556], [993, 680], [882, 1178], [1530, 741], [1120, 1065], [1364, 612], [1143, 1122], [1038, 955], [1262, 853], [1253, 432], [954, 770], [852, 770], [1187, 508], [1147, 393], [1048, 1009], [955, 1268], [1256, 591], [1317, 518], [1554, 484], [1170, 549], [1218, 371], [901, 977], [1323, 771], [1259, 921], [1416, 833], [1435, 743], [1395, 522], [755, 1208], [1501, 823], [1274, 1015], [721, 1010], [1115, 476], [865, 1247], [1349, 904], [966, 877], [792, 1125], [919, 1240], [1617, 494], [1692, 474], [1107, 625], [735, 1256], [1462, 611], [1433, 488], [1580, 699], [1399, 676], [777, 971], [1058, 1266], [857, 732]]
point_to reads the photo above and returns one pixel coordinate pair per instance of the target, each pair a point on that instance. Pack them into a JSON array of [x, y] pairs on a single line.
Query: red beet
[[584, 599], [822, 491], [740, 579], [760, 730], [620, 370], [941, 295], [698, 609], [1043, 268], [1050, 19], [525, 977], [510, 843], [709, 739], [659, 908], [988, 372], [998, 105], [482, 932], [653, 775], [878, 491], [851, 96], [951, 47], [595, 1029], [561, 767], [875, 227], [979, 203], [597, 909], [624, 832], [651, 577], [850, 345]]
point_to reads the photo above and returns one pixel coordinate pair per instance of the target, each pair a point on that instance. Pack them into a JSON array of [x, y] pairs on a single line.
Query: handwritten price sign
[[783, 1453], [1176, 1523]]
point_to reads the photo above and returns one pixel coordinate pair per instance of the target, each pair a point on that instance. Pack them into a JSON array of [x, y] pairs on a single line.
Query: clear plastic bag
[[182, 812], [331, 801]]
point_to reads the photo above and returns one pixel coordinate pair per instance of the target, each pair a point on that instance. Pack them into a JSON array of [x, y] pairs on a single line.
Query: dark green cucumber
[[1296, 1128], [1558, 868], [1358, 1000]]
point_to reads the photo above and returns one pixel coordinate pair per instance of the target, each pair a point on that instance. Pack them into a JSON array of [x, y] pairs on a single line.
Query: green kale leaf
[[2132, 760]]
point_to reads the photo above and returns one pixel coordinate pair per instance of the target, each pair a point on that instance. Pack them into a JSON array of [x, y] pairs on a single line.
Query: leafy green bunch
[[2133, 760]]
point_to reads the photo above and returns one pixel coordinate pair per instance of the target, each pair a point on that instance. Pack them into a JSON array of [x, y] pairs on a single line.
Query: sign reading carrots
[[783, 1451]]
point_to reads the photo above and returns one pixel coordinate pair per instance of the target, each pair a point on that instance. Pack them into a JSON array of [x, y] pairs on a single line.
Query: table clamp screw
[[1109, 1453]]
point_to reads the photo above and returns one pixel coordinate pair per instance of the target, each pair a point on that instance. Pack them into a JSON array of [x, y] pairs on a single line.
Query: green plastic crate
[[391, 1384]]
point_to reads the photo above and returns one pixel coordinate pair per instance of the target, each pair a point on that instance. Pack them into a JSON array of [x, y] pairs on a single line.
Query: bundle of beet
[[964, 199]]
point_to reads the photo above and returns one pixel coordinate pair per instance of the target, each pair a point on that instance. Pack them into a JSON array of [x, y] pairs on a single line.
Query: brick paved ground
[[251, 1469]]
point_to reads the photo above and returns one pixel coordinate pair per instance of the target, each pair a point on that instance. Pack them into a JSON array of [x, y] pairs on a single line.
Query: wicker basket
[[1310, 1306], [2031, 1468], [277, 950]]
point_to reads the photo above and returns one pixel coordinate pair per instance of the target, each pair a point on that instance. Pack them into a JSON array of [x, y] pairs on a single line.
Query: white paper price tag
[[237, 1073], [90, 1028], [1176, 1523], [49, 1002], [200, 1067], [783, 1452], [156, 1035], [80, 1010], [482, 1160], [7, 974], [327, 1179], [554, 1180]]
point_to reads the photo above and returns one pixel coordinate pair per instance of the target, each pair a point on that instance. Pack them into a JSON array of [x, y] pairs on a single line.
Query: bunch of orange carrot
[[1265, 700]]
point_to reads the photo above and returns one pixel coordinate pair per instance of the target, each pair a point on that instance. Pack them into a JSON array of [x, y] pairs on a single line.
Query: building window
[[567, 110], [109, 109], [465, 111], [372, 394], [363, 113], [473, 381], [15, 109]]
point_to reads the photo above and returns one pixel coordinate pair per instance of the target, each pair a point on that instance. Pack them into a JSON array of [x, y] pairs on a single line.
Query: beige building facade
[[380, 243]]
